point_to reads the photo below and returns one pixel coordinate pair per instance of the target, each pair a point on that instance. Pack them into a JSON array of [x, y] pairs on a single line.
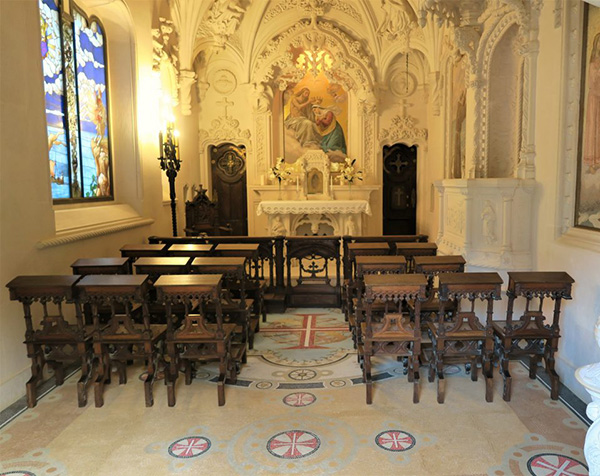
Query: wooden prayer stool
[[368, 265], [530, 335], [196, 340], [85, 266], [410, 250], [56, 341], [255, 287], [431, 267], [461, 337], [396, 334], [189, 250], [354, 250], [141, 250], [237, 311], [122, 340]]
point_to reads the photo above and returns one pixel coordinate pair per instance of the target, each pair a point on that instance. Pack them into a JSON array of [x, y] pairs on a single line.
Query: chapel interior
[[458, 121]]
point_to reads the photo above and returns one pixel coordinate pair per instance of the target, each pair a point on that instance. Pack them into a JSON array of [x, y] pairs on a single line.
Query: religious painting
[[315, 113], [587, 212]]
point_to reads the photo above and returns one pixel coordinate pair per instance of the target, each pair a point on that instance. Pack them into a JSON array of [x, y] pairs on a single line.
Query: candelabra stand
[[170, 163]]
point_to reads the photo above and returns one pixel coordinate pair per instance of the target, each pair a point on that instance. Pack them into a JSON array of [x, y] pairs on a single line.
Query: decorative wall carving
[[311, 6], [399, 22], [403, 129], [165, 57], [224, 129], [351, 68], [221, 21], [224, 81]]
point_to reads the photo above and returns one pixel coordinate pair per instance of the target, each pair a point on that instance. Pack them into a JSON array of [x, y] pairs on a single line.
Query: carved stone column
[[187, 79]]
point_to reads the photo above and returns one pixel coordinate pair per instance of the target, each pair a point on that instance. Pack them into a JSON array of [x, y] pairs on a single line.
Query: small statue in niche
[[277, 227], [488, 218], [350, 226]]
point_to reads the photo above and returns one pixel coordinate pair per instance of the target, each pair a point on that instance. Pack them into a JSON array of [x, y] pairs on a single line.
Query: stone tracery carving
[[224, 129], [403, 129], [311, 7], [221, 21], [399, 20]]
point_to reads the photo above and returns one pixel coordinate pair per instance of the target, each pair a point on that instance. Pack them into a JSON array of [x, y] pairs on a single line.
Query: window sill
[[76, 224], [581, 238]]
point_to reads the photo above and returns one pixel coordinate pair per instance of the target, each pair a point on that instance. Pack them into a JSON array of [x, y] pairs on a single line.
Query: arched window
[[75, 85]]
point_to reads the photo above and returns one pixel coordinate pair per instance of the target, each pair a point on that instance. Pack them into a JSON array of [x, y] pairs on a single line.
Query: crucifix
[[225, 103]]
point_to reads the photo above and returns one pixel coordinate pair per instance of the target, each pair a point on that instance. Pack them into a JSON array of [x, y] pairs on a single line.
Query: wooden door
[[399, 190], [228, 167]]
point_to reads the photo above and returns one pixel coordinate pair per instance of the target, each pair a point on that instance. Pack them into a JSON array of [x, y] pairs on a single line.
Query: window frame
[[67, 19]]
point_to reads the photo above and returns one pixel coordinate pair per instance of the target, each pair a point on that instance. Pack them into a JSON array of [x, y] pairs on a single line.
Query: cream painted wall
[[577, 345], [27, 215]]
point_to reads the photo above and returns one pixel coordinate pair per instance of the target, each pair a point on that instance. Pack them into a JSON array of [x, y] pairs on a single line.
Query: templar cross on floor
[[307, 332]]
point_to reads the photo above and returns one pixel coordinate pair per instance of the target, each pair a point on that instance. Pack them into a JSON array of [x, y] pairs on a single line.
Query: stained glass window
[[74, 67]]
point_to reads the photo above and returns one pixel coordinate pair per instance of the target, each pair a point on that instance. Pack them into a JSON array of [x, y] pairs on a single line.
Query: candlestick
[[160, 144]]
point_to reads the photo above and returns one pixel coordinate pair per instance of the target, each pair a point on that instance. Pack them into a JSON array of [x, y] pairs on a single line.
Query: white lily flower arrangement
[[348, 173], [280, 171]]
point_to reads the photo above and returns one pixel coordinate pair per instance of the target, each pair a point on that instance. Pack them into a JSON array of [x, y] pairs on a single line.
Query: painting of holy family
[[587, 213], [315, 117]]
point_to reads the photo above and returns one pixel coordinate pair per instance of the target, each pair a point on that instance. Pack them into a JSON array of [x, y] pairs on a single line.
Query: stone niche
[[488, 221]]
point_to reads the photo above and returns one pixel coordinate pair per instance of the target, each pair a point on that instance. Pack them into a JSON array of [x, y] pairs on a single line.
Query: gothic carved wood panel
[[228, 169], [399, 190]]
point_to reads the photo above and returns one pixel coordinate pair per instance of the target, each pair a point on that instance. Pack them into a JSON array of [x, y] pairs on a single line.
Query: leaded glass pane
[[54, 92], [93, 112]]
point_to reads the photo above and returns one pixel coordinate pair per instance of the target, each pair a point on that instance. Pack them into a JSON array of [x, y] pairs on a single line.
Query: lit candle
[[160, 144]]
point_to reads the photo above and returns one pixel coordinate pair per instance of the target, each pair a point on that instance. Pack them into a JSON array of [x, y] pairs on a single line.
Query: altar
[[314, 217]]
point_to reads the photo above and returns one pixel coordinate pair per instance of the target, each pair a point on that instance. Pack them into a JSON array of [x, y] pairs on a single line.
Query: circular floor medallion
[[302, 374], [293, 444], [18, 473], [299, 399], [189, 447], [395, 440], [552, 464]]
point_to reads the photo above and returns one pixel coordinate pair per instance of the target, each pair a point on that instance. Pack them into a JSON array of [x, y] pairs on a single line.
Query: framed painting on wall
[[315, 113], [587, 208]]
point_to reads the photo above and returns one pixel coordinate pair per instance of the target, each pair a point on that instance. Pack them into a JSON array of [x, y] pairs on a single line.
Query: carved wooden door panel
[[228, 167], [399, 190]]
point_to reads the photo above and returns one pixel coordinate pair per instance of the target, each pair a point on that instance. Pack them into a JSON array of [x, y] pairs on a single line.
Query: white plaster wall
[[577, 345], [27, 214]]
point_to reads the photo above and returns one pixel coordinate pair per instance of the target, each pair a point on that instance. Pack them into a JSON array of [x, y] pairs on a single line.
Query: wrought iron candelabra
[[170, 163]]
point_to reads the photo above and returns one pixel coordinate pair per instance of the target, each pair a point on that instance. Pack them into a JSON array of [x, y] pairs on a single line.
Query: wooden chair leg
[[188, 372], [554, 378], [505, 372], [474, 370], [171, 374], [416, 378], [534, 361], [368, 378], [82, 383], [441, 384], [102, 373], [221, 381], [37, 364], [150, 378]]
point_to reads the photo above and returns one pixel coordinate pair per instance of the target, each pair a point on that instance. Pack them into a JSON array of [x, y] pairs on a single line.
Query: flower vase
[[349, 190], [279, 192]]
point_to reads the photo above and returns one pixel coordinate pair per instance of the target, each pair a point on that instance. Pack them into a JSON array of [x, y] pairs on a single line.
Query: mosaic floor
[[299, 408]]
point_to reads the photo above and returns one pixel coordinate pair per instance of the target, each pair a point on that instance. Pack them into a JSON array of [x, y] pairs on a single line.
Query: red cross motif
[[307, 331], [395, 440], [555, 465], [293, 444], [189, 447]]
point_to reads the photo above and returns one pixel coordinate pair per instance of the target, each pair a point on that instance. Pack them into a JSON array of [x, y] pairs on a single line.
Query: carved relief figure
[[400, 17], [488, 218], [350, 228], [277, 227]]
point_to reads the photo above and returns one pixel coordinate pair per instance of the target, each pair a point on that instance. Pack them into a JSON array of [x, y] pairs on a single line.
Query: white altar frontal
[[314, 217]]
